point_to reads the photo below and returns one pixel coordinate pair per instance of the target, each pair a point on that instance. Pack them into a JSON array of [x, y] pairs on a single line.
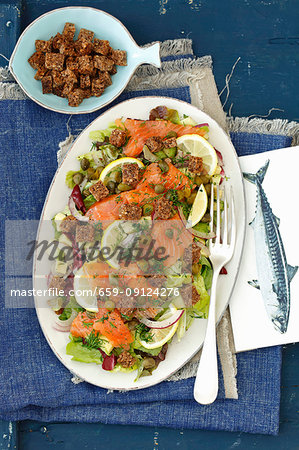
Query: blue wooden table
[[265, 35]]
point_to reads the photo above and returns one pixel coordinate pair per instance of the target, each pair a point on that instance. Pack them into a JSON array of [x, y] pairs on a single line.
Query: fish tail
[[259, 175]]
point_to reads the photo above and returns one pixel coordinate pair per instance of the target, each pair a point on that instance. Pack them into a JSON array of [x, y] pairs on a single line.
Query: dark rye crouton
[[72, 63], [130, 212], [67, 48], [156, 281], [57, 283], [58, 90], [113, 71], [99, 190], [85, 65], [195, 164], [117, 137], [54, 61], [163, 209], [170, 143], [83, 47], [105, 78], [119, 57], [68, 224], [97, 87], [57, 41], [125, 359], [84, 232], [57, 78], [101, 46], [154, 144], [69, 31], [86, 92], [75, 97], [130, 173], [68, 76], [37, 60], [192, 254], [47, 84], [68, 88], [84, 81], [189, 294], [85, 34], [195, 295], [43, 46], [102, 63], [41, 72]]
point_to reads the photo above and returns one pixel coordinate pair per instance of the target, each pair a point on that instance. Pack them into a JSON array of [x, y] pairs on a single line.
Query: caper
[[149, 363], [90, 314], [171, 134], [171, 152], [163, 166], [195, 269], [78, 178], [206, 218], [181, 195], [122, 187], [84, 163], [147, 209], [111, 186], [187, 192], [208, 188], [109, 304], [117, 176], [160, 154], [169, 233], [132, 324], [159, 188], [190, 200], [205, 179], [86, 192], [117, 191], [100, 169], [90, 173], [198, 180]]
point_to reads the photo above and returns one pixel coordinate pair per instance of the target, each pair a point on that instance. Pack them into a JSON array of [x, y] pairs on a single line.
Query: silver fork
[[221, 248]]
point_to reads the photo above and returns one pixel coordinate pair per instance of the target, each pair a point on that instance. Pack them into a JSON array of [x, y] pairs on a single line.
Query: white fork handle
[[206, 382]]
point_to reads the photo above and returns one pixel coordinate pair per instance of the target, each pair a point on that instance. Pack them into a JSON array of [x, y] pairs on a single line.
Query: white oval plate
[[179, 353]]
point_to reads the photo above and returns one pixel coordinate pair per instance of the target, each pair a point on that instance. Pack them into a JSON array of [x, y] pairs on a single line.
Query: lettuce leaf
[[202, 306], [81, 353], [69, 177], [89, 201]]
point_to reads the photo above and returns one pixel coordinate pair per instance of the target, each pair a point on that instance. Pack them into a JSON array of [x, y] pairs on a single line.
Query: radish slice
[[163, 323], [64, 325]]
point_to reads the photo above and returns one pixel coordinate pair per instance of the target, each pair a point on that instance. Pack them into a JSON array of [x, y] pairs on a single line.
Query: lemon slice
[[112, 236], [199, 207], [199, 146], [159, 336], [114, 165], [84, 292]]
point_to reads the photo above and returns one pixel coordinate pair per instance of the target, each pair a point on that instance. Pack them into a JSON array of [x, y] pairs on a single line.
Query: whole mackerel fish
[[274, 273]]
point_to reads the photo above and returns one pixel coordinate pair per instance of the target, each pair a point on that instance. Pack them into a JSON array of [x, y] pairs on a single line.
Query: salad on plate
[[132, 243]]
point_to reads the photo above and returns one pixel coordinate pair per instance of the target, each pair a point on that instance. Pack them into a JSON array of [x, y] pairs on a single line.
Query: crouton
[[41, 72], [154, 144], [97, 87], [54, 61], [85, 232], [57, 78], [163, 209], [119, 57], [57, 283], [170, 142], [37, 60], [85, 34], [102, 63], [57, 41], [117, 137], [101, 46], [83, 47], [43, 46], [130, 212], [130, 174], [84, 81], [68, 224], [75, 97], [47, 84], [85, 65], [195, 164], [69, 31], [99, 190], [72, 63], [105, 78]]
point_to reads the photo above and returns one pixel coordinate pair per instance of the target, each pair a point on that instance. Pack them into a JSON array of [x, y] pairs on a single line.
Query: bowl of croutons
[[76, 60]]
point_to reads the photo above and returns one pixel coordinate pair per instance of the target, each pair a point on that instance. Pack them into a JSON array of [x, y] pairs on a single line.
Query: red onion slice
[[64, 325], [159, 325], [74, 212]]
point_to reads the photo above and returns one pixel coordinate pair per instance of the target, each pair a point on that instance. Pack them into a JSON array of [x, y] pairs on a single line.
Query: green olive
[[163, 166], [205, 179], [181, 195], [159, 188], [195, 269], [149, 363], [206, 218], [90, 173], [198, 180], [171, 152], [122, 187], [109, 304], [190, 200], [111, 186], [84, 163], [78, 178], [147, 209], [171, 134], [160, 154], [187, 192]]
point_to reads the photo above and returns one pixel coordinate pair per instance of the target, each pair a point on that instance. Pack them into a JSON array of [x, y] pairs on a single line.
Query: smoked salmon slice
[[140, 130]]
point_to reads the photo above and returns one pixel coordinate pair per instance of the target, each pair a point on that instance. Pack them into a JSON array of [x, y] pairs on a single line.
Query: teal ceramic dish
[[104, 26]]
